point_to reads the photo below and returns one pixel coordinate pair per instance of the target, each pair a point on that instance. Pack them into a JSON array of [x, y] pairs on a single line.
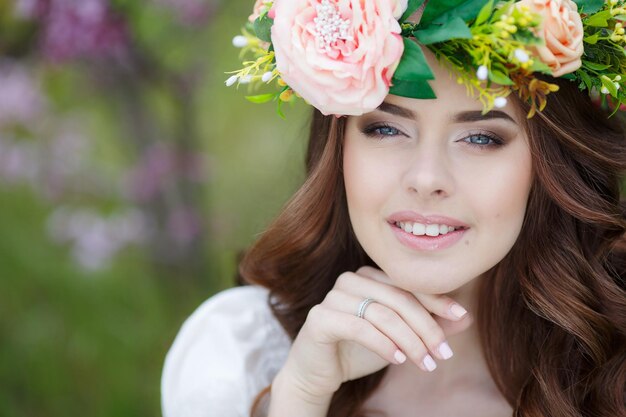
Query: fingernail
[[445, 351], [429, 363], [457, 311], [399, 356]]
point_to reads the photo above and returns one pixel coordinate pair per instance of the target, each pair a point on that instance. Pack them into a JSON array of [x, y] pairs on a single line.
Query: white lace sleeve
[[227, 351]]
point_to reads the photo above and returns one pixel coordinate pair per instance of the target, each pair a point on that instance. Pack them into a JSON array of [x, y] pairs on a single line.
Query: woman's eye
[[483, 140], [381, 131]]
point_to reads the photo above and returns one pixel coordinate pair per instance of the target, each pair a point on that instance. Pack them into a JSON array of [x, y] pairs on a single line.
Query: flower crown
[[344, 57]]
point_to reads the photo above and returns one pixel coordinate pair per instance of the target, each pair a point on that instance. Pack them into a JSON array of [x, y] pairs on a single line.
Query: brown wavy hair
[[562, 283]]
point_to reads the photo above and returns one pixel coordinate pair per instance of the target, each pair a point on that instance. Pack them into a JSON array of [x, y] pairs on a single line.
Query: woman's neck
[[468, 360], [461, 385]]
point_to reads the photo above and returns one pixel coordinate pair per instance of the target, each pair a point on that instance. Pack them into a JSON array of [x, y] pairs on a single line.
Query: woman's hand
[[334, 345]]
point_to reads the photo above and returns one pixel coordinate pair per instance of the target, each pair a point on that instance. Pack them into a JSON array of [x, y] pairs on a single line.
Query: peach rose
[[562, 30], [339, 55]]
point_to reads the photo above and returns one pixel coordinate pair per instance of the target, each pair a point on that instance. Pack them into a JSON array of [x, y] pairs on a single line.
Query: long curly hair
[[562, 284]]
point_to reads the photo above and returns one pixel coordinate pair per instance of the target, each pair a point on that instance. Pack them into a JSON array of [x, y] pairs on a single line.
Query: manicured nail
[[399, 356], [445, 351], [429, 363], [457, 311]]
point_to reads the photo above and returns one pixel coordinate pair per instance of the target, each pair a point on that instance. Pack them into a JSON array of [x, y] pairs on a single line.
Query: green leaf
[[444, 10], [618, 106], [413, 65], [593, 39], [499, 77], [484, 13], [599, 20], [539, 66], [502, 9], [261, 98], [410, 9], [262, 28], [609, 86], [595, 66], [279, 109], [412, 89], [586, 78], [455, 28], [589, 6]]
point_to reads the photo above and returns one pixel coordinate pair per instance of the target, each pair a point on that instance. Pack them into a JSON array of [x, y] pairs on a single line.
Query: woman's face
[[415, 168]]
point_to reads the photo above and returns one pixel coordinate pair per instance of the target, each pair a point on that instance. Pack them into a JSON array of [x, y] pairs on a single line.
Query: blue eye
[[381, 131], [483, 140]]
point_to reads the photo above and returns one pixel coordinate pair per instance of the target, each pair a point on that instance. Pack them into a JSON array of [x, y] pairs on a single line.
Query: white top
[[226, 352]]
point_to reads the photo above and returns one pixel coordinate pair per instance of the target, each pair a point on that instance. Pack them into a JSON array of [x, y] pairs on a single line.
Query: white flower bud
[[521, 55], [231, 80], [245, 79], [482, 73], [499, 102], [617, 86], [240, 41], [266, 77], [604, 90]]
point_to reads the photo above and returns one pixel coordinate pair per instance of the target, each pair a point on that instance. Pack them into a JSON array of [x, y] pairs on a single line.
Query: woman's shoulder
[[227, 351]]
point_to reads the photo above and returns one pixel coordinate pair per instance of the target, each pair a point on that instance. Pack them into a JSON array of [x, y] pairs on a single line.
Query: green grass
[[80, 343], [76, 343]]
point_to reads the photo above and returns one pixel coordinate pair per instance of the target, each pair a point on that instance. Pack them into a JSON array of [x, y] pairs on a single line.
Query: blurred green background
[[130, 179]]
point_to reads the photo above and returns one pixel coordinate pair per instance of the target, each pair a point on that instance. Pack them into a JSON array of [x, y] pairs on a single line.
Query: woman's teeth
[[419, 229]]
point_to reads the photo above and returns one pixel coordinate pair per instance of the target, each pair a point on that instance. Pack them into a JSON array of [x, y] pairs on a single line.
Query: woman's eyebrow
[[477, 116], [462, 117], [397, 110]]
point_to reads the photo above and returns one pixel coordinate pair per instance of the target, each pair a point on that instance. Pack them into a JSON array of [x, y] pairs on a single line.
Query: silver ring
[[361, 312]]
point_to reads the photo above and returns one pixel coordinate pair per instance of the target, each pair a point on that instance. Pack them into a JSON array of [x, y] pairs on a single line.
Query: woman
[[438, 260]]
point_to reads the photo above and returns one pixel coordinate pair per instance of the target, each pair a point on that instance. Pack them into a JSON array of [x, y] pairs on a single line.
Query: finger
[[331, 326], [450, 328], [440, 305], [443, 306], [374, 273], [405, 304], [389, 323]]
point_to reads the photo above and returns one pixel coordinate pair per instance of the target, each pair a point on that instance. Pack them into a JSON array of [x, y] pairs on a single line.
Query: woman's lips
[[412, 216], [425, 242]]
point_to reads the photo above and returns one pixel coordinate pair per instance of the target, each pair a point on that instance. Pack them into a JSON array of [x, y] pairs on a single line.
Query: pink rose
[[259, 6], [339, 55], [562, 30]]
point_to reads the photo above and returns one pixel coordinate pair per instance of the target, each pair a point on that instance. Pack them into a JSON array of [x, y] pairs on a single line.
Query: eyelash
[[370, 131], [374, 132], [495, 140]]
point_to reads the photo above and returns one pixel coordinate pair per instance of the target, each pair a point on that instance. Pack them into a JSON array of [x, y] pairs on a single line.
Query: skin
[[430, 163]]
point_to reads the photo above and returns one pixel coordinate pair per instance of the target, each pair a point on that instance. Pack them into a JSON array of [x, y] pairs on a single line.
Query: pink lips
[[411, 216], [426, 243]]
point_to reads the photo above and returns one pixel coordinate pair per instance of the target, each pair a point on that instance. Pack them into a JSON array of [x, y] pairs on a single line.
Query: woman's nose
[[428, 172]]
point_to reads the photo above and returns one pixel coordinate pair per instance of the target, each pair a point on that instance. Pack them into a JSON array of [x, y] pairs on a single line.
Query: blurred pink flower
[[184, 225], [95, 239], [161, 164], [258, 7], [29, 9], [18, 162], [21, 100], [78, 29], [190, 12]]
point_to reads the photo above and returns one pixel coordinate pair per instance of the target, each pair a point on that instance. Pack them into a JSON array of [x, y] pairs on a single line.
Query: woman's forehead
[[451, 97]]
